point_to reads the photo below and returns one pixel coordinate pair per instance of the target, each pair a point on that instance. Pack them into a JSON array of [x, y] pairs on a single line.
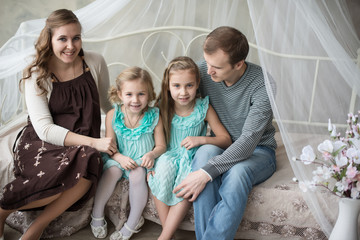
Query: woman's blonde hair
[[165, 102], [130, 74], [44, 49]]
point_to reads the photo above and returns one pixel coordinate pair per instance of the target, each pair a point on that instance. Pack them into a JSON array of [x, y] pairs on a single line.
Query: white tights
[[104, 190], [138, 195]]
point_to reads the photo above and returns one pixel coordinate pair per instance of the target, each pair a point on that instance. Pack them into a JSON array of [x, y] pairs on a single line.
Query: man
[[222, 179]]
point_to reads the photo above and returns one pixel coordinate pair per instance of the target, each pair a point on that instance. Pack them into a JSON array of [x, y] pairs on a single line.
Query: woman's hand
[[148, 160], [106, 145]]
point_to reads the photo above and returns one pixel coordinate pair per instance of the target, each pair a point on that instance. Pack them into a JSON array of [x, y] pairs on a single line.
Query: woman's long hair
[[44, 49], [165, 102]]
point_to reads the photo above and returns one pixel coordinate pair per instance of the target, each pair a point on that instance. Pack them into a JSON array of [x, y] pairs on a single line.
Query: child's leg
[[138, 196], [175, 216], [104, 190], [162, 209]]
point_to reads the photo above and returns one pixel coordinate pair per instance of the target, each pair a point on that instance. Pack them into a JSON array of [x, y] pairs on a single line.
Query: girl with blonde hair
[[138, 131]]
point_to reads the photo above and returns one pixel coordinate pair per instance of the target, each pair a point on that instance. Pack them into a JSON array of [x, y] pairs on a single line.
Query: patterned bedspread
[[276, 208]]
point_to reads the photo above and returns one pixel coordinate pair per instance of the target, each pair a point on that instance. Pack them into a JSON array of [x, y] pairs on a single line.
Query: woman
[[57, 156]]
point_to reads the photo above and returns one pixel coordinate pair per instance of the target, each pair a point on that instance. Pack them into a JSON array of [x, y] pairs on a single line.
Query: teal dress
[[175, 164], [133, 143]]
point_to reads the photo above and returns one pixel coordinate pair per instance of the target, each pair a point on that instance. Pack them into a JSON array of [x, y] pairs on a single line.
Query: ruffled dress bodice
[[133, 142], [192, 125], [175, 164]]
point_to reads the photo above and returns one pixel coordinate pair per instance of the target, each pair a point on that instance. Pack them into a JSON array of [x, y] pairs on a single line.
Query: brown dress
[[43, 169]]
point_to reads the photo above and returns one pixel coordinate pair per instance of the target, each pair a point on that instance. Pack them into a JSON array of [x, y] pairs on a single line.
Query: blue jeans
[[221, 205]]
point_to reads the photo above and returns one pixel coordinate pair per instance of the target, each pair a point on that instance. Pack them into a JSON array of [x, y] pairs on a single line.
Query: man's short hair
[[229, 40]]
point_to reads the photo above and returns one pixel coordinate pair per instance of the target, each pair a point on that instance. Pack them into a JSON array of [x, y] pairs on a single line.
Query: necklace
[[186, 112], [127, 116], [63, 77]]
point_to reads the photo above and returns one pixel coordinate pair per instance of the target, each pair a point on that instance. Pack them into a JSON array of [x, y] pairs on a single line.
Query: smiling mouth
[[69, 53], [135, 106]]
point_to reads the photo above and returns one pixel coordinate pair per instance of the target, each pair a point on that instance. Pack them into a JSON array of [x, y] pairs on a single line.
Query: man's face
[[220, 69]]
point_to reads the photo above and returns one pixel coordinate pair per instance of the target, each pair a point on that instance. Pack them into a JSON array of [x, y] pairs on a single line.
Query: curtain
[[316, 72], [308, 47]]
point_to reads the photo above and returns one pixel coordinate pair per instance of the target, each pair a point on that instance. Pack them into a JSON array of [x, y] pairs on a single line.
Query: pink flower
[[335, 168], [340, 161], [351, 172]]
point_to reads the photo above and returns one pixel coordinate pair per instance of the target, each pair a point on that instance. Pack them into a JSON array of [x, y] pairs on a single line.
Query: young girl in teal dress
[[138, 131], [185, 119]]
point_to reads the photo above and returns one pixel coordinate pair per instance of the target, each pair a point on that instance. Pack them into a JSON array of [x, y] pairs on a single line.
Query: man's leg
[[210, 196], [236, 185]]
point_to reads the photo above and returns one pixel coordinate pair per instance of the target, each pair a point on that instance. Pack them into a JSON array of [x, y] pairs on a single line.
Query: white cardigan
[[37, 105]]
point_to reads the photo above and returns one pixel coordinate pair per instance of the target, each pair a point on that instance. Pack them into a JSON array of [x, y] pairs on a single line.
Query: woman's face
[[66, 42]]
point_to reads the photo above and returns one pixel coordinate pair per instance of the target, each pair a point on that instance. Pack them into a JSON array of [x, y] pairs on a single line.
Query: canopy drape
[[309, 47]]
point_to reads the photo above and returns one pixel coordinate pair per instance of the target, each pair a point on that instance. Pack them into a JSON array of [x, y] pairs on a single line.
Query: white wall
[[13, 12], [354, 8]]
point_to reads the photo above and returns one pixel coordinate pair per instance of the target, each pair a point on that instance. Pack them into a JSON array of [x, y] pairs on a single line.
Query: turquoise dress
[[133, 143], [175, 164]]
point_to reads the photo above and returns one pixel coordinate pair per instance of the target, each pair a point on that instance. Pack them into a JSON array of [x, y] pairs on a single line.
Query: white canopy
[[309, 47]]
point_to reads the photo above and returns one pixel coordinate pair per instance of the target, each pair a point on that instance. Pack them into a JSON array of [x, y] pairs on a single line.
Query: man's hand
[[192, 185]]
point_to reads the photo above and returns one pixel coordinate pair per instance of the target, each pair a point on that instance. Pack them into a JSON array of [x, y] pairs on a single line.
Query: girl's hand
[[148, 160], [126, 162], [191, 142], [152, 173], [106, 145]]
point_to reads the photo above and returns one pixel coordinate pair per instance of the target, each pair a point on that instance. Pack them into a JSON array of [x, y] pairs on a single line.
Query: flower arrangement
[[338, 169]]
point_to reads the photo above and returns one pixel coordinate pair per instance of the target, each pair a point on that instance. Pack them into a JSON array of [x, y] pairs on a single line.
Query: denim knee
[[204, 154]]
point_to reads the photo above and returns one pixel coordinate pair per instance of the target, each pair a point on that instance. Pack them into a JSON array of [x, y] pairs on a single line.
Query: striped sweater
[[245, 111]]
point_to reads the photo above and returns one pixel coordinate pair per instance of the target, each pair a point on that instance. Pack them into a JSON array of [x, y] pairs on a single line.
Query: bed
[[276, 208]]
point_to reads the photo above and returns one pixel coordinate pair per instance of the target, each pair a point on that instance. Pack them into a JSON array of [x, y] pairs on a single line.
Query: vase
[[346, 226]]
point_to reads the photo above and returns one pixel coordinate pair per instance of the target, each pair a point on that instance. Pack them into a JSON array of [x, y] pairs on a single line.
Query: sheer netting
[[309, 47]]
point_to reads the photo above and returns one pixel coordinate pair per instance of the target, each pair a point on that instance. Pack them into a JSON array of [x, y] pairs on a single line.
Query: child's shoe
[[117, 235], [98, 231]]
